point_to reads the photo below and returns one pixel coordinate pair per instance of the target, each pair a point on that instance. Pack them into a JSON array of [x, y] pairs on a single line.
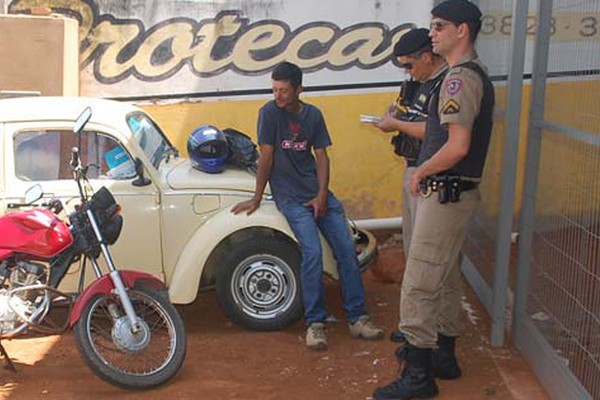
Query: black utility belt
[[448, 187]]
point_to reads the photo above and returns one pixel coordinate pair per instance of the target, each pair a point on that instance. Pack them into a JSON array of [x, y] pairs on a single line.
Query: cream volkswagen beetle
[[177, 220]]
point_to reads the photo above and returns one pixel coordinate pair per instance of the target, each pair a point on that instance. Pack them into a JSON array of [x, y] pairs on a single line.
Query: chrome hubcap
[[263, 286]]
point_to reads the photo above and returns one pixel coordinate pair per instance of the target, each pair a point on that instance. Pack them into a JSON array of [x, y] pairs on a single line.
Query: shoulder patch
[[453, 86], [451, 107]]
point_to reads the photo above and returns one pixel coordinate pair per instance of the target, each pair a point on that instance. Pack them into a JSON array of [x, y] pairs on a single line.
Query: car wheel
[[258, 283]]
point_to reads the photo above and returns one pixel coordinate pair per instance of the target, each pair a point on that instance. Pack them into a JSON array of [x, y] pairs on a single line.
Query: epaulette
[[455, 70]]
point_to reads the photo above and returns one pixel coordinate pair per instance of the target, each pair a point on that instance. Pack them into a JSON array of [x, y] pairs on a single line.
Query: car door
[[40, 153]]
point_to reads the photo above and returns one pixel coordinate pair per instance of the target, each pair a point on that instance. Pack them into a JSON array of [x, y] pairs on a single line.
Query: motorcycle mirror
[[33, 194], [83, 119]]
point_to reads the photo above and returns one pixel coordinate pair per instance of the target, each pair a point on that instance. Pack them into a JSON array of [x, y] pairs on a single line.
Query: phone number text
[[563, 26]]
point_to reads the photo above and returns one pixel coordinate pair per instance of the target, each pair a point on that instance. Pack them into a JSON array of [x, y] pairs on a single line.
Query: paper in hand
[[369, 118]]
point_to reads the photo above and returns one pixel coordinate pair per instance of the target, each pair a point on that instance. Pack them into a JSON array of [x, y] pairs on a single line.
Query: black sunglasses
[[415, 56], [439, 25]]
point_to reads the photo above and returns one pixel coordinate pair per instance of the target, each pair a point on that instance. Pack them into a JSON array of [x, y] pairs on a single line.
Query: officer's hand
[[249, 206], [387, 124], [415, 189]]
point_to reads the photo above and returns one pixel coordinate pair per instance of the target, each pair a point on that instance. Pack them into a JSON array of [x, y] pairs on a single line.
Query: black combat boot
[[416, 380], [444, 362]]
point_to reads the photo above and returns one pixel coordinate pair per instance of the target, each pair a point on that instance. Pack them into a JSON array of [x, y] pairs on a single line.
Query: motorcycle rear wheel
[[138, 361]]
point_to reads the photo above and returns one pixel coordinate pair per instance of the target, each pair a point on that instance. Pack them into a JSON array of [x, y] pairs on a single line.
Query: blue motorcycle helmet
[[208, 149]]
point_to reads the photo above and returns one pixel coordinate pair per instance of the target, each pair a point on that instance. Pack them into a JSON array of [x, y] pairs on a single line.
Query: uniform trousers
[[430, 296], [409, 209]]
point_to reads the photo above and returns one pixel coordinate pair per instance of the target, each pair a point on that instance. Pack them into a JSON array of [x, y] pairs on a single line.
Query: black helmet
[[242, 150]]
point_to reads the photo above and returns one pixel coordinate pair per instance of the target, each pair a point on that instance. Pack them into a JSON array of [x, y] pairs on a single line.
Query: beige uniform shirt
[[461, 94]]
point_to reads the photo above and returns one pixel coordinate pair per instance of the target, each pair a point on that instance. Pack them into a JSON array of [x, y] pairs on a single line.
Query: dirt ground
[[225, 361]]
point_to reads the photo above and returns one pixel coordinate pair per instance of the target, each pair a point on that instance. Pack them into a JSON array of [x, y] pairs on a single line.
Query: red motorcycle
[[125, 327]]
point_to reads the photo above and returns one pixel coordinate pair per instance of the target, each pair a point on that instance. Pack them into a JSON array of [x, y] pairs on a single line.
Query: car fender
[[105, 285], [185, 280]]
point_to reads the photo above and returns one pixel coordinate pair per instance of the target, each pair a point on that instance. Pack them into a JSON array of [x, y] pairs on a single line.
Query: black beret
[[412, 41], [457, 11]]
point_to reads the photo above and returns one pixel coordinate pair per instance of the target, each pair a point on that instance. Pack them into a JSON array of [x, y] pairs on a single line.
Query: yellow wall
[[569, 184], [366, 174]]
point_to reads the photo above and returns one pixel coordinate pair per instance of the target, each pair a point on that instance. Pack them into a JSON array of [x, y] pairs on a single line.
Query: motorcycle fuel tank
[[37, 232]]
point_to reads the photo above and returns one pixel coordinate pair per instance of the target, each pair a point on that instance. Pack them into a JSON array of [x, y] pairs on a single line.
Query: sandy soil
[[225, 361]]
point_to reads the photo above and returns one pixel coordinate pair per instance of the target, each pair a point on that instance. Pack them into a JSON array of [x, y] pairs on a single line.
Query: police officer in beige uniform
[[449, 169], [408, 115]]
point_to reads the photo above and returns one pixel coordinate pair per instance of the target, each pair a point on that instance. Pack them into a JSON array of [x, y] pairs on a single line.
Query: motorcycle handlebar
[[74, 157]]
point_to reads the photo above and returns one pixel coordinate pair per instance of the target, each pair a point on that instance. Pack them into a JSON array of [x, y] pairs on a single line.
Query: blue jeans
[[335, 229]]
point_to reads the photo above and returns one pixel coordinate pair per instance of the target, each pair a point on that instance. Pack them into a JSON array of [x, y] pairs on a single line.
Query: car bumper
[[366, 248]]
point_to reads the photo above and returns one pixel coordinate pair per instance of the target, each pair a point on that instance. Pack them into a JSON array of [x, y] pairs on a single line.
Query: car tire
[[258, 283]]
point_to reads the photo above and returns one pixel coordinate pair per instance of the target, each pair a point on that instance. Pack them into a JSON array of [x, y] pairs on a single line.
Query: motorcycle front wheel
[[132, 360]]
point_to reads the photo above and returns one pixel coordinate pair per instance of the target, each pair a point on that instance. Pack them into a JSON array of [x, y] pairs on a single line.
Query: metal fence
[[557, 301], [554, 273]]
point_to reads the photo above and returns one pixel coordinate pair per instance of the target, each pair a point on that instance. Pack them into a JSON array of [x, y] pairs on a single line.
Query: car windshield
[[150, 138]]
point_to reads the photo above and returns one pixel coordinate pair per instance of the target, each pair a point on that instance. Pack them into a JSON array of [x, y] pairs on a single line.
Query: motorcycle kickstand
[[8, 362]]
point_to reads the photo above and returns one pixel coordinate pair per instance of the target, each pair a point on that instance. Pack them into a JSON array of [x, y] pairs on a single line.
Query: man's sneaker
[[365, 329], [315, 336]]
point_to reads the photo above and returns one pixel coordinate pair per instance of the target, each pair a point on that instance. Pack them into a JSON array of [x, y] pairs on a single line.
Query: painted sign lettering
[[118, 48]]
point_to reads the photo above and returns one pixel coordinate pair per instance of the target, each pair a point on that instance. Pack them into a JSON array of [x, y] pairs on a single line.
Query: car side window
[[45, 155]]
